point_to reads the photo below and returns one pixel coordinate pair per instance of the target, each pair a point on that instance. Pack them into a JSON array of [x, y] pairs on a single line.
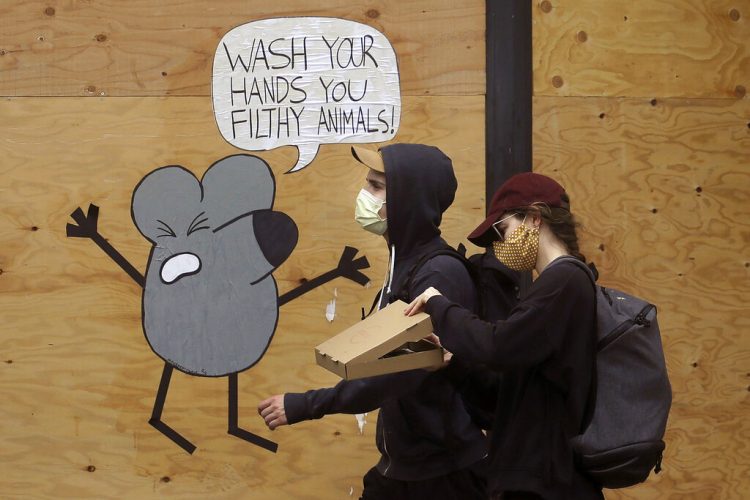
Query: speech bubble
[[305, 81]]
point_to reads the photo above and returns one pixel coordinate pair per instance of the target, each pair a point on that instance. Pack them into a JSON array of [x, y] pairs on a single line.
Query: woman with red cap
[[545, 349]]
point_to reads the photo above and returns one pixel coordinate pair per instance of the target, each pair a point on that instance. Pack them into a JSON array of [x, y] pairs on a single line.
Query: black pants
[[464, 484]]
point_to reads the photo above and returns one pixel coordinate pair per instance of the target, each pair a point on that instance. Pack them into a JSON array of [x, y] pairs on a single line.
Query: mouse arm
[[348, 268], [85, 227]]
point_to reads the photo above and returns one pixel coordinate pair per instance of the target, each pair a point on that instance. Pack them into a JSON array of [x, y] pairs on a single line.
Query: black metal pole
[[509, 91], [508, 98]]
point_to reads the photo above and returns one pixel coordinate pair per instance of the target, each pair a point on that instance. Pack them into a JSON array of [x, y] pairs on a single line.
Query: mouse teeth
[[179, 266]]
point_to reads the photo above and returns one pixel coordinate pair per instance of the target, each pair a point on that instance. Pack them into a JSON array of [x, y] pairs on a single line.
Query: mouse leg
[[155, 420], [234, 429]]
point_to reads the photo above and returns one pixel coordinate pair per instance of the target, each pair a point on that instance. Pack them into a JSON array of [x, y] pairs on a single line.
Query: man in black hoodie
[[429, 446]]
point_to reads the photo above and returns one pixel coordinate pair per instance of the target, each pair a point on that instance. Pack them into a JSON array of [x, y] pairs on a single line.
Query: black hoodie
[[423, 429]]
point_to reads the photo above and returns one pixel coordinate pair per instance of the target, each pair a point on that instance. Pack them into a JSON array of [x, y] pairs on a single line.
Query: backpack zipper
[[640, 319], [614, 335]]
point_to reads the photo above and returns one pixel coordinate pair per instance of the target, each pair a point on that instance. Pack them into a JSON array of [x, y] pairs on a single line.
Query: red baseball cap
[[521, 190]]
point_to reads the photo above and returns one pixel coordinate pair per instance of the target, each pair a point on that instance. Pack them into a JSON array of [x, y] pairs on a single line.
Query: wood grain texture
[[662, 192], [139, 48], [665, 48], [661, 187], [78, 377]]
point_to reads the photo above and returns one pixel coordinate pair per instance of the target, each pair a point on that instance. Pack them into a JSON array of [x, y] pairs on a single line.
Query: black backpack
[[629, 406], [497, 285]]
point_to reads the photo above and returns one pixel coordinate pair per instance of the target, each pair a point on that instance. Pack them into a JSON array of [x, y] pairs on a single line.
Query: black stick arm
[[308, 286], [86, 227], [348, 267]]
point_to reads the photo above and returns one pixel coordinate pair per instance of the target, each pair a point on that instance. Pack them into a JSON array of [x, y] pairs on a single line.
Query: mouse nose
[[277, 235], [179, 266]]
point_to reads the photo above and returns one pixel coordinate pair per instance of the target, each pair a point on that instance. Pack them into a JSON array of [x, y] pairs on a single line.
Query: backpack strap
[[593, 274], [404, 290], [590, 268]]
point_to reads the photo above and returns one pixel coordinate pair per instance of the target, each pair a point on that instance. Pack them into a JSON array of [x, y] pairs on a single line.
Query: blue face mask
[[366, 213]]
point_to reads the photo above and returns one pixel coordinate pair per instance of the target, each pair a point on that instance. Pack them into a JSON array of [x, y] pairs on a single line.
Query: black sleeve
[[352, 396], [526, 338], [445, 273]]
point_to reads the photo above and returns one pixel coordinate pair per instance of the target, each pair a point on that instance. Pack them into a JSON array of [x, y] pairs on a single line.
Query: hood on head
[[420, 186]]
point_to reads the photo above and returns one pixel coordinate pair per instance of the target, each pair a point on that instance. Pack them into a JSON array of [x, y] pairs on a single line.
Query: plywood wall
[[94, 96], [640, 109]]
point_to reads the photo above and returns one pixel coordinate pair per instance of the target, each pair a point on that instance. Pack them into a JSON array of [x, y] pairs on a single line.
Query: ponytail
[[563, 225]]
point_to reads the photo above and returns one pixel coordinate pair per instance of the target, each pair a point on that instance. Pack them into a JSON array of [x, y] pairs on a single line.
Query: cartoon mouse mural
[[210, 301]]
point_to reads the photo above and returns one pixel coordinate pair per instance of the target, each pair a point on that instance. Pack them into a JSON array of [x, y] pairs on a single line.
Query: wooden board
[[78, 377], [662, 192], [661, 187], [134, 48], [677, 48]]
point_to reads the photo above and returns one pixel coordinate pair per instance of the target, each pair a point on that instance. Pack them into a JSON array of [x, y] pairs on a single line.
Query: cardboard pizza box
[[385, 342]]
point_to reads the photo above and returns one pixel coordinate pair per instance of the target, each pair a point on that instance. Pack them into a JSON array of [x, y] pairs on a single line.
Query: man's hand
[[417, 305], [447, 355], [434, 339], [272, 411]]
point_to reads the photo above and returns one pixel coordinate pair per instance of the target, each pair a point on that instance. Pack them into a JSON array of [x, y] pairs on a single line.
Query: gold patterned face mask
[[519, 250]]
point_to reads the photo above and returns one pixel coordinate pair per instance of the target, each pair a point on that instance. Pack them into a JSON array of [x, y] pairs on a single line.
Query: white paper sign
[[305, 81]]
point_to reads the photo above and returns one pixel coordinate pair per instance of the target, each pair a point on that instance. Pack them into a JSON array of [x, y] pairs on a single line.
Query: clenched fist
[[272, 411]]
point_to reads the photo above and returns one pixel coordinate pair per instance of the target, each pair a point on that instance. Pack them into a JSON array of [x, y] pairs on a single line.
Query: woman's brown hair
[[561, 222]]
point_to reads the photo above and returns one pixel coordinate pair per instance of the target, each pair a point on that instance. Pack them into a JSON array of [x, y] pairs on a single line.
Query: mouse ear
[[162, 201], [277, 235], [237, 185]]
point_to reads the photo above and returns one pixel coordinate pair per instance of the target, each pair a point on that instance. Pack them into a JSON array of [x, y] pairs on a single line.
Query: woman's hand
[[417, 305], [272, 411]]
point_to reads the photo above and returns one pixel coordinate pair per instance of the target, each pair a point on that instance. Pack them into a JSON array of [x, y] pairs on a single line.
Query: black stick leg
[[155, 420], [234, 429]]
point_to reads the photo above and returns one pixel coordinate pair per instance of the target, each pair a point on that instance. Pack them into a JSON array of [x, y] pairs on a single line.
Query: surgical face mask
[[520, 249], [366, 213]]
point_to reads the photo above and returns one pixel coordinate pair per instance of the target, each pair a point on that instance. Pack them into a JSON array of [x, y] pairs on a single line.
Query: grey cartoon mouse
[[210, 301]]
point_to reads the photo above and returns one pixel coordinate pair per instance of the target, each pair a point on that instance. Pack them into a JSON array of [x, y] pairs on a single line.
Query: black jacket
[[545, 351], [423, 429]]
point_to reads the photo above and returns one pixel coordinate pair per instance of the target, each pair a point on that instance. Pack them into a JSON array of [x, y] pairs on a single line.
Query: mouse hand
[[86, 224], [349, 266]]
